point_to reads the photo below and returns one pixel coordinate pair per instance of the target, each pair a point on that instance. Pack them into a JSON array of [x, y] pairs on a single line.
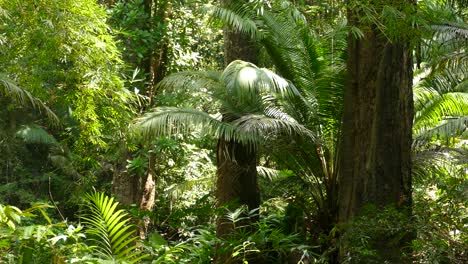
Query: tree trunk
[[237, 175], [236, 180], [378, 114], [125, 186], [132, 189], [148, 195], [236, 163], [238, 46]]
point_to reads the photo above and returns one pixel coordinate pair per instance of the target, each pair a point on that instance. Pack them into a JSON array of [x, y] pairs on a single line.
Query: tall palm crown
[[249, 101]]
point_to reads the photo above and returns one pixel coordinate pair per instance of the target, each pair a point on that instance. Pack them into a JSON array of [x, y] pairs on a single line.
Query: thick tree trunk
[[378, 114], [237, 179], [237, 175], [125, 186], [237, 164], [238, 46]]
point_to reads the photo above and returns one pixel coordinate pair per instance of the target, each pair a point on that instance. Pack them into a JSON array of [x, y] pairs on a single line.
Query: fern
[[110, 230]]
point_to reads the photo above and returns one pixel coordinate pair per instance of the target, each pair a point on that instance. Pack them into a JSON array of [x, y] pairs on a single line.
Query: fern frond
[[110, 229], [259, 126], [452, 29], [268, 173], [190, 81], [246, 80], [441, 107], [430, 164], [239, 17]]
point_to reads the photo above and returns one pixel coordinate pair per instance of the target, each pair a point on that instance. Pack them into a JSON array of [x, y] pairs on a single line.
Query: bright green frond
[[274, 121], [452, 30], [109, 229], [191, 81], [239, 17], [166, 121], [447, 129], [441, 107], [244, 82]]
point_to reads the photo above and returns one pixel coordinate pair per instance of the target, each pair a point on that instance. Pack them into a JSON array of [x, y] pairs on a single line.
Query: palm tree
[[250, 101], [315, 65]]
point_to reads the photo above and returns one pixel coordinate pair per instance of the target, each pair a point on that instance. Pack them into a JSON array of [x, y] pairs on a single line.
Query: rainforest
[[233, 131]]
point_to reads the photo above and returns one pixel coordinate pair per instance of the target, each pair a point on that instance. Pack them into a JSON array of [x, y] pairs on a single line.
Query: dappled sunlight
[[247, 78]]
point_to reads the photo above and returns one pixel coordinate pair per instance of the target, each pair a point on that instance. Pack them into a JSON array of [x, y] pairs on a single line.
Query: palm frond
[[33, 134], [23, 98], [176, 190], [110, 229], [430, 164], [447, 129], [190, 81], [268, 173], [445, 35], [298, 55], [248, 129], [246, 80], [238, 16], [441, 107], [452, 30], [259, 126], [166, 121]]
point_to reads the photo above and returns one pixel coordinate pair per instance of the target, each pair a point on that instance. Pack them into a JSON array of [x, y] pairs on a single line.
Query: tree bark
[[148, 195], [236, 179], [236, 163], [238, 46], [237, 174], [377, 122], [125, 186]]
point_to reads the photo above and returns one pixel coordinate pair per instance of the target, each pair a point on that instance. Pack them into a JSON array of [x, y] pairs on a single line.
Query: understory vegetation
[[202, 131]]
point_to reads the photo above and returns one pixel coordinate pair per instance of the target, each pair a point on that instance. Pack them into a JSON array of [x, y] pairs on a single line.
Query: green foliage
[[440, 205], [59, 59], [22, 98], [24, 239], [313, 60], [10, 215], [66, 56], [173, 29], [110, 230], [247, 95], [364, 234], [267, 244]]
